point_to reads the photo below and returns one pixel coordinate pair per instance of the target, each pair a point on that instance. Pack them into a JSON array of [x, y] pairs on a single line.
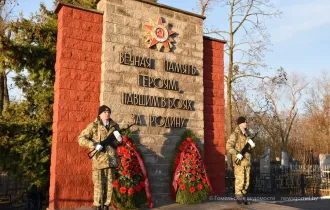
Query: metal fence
[[12, 190], [293, 180]]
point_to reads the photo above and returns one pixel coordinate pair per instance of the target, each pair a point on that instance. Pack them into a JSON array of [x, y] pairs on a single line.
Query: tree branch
[[244, 18]]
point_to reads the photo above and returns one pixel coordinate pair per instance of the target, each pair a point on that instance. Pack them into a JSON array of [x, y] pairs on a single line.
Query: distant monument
[[324, 161], [284, 159], [265, 162]]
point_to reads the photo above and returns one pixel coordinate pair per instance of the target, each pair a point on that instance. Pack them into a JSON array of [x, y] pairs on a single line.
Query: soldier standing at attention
[[236, 142], [105, 160]]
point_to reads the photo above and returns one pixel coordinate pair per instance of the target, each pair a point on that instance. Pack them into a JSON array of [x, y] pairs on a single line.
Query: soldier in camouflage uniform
[[105, 160], [234, 146]]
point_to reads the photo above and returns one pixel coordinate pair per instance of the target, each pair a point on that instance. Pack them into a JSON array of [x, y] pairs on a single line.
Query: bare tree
[[317, 116], [204, 5], [280, 109], [247, 39]]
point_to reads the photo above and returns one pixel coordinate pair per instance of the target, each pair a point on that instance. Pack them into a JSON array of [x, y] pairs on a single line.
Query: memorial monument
[[148, 62]]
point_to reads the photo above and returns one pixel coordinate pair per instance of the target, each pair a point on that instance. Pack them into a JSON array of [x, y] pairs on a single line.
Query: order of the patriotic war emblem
[[159, 35]]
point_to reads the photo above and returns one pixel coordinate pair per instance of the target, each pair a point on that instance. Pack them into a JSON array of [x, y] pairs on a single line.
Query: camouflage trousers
[[242, 180], [102, 180]]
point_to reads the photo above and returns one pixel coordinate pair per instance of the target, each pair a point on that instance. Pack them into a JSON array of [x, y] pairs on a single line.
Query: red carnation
[[204, 181], [200, 186], [181, 148], [142, 184], [116, 184], [178, 181], [188, 170], [193, 178], [126, 173], [199, 176], [127, 155], [120, 151], [122, 189], [182, 186], [123, 162], [177, 161], [138, 188], [189, 139], [192, 189], [193, 172], [137, 170], [125, 139], [131, 191], [194, 162]]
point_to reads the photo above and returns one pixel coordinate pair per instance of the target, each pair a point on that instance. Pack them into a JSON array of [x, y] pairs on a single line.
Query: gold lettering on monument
[[156, 101], [156, 82], [135, 60], [166, 121], [159, 121], [126, 58], [180, 68]]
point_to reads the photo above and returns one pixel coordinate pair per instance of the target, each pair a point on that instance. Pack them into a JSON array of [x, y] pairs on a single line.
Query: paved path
[[226, 205], [232, 205], [323, 204]]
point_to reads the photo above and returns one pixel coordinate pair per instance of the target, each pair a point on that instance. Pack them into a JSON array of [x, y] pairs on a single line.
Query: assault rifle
[[113, 140], [247, 146]]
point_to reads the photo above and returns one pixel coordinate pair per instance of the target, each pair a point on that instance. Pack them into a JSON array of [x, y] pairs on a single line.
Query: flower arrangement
[[190, 182], [131, 185]]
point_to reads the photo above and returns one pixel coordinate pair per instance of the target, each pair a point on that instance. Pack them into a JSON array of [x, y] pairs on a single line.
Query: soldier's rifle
[[111, 140], [247, 146]]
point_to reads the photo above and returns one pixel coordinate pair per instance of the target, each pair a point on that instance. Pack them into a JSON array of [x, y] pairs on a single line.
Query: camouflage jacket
[[90, 137], [236, 143]]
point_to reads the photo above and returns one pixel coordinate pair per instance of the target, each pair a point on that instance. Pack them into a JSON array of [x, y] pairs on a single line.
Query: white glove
[[239, 156], [118, 136], [252, 144], [98, 147]]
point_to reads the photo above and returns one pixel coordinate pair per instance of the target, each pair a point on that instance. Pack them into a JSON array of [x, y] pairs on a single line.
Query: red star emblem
[[160, 35]]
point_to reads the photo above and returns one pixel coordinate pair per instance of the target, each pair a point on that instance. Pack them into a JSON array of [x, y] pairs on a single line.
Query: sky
[[300, 37]]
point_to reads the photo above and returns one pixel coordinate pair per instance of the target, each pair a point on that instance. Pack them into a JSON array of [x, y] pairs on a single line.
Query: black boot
[[239, 200], [105, 207], [98, 207], [245, 200]]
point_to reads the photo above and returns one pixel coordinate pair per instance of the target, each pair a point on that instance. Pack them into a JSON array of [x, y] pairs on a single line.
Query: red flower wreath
[[131, 178], [190, 181]]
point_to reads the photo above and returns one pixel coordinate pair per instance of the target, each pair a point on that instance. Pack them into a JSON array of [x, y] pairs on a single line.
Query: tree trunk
[[5, 87], [228, 120], [229, 110], [1, 92]]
